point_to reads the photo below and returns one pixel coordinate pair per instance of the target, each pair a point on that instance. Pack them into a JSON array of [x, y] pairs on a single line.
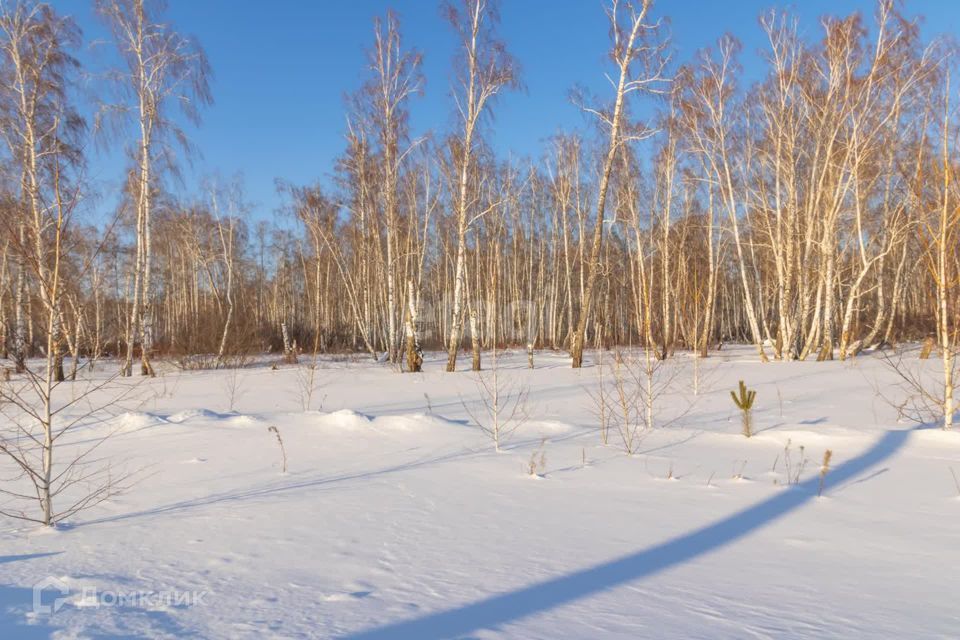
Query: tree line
[[810, 213]]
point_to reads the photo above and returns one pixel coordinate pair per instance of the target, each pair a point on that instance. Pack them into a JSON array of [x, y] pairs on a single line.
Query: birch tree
[[37, 125], [943, 239], [640, 61], [396, 77], [485, 69], [161, 67]]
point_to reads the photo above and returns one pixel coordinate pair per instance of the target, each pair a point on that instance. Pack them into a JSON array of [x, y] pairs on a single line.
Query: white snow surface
[[397, 519]]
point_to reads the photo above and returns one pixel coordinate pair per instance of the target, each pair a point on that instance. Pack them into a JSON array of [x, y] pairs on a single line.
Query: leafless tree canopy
[[811, 214]]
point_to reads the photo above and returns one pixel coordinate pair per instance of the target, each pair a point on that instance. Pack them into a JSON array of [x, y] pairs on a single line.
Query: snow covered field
[[397, 519]]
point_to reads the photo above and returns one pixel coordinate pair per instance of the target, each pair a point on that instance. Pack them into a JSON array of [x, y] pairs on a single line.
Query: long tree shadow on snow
[[543, 596], [19, 622], [12, 598]]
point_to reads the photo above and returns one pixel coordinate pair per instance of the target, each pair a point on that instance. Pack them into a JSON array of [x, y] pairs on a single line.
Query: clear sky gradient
[[282, 67]]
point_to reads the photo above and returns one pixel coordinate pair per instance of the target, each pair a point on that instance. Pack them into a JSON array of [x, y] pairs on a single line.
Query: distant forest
[[811, 214]]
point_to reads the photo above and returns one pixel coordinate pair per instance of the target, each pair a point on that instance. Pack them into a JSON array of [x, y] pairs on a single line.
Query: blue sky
[[282, 67]]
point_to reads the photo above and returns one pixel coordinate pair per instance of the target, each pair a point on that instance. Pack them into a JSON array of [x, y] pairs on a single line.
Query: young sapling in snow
[[503, 403], [283, 451], [232, 386], [696, 373], [309, 384], [50, 478], [738, 473], [956, 482], [824, 468], [744, 402], [538, 460], [703, 377], [600, 401], [429, 405]]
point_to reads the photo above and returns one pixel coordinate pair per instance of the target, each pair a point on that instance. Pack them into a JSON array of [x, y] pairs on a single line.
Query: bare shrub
[[925, 396], [197, 362], [793, 466], [632, 398], [309, 384]]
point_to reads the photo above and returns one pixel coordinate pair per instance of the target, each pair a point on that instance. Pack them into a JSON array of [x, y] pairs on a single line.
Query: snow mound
[[344, 419], [402, 423], [797, 436], [195, 414], [243, 420], [351, 420], [135, 420], [549, 427], [411, 422], [936, 436]]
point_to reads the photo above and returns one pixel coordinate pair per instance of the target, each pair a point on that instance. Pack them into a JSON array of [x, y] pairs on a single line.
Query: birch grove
[[811, 212]]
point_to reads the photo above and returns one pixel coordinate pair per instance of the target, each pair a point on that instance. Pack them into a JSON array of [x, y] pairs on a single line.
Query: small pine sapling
[[744, 402]]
